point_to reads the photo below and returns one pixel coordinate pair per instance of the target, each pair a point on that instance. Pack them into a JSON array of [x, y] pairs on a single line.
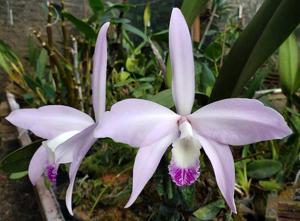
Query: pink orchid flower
[[152, 127], [68, 132]]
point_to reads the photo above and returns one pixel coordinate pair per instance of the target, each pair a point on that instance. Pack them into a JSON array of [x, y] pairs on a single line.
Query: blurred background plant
[[232, 58]]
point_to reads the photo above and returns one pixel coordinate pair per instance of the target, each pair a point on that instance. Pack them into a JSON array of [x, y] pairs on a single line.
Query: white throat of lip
[[186, 149], [52, 144]]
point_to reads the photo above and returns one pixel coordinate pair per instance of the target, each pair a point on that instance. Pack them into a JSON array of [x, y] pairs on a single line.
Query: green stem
[[97, 201]]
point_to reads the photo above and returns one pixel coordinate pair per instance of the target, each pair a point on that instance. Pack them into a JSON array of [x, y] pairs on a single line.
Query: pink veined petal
[[221, 159], [239, 121], [77, 146], [99, 72], [182, 60], [50, 121], [137, 122], [145, 164], [37, 164]]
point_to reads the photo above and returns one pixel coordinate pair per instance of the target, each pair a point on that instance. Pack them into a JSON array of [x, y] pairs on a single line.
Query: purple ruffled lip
[[184, 176], [51, 172]]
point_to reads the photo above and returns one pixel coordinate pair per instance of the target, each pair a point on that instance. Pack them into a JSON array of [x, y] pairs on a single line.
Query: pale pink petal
[[77, 147], [50, 121], [239, 121], [145, 164], [66, 151], [99, 72], [37, 164], [221, 159], [182, 60], [137, 122], [69, 194]]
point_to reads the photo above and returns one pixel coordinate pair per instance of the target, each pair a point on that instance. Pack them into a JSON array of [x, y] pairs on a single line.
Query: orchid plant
[[152, 127], [68, 132]]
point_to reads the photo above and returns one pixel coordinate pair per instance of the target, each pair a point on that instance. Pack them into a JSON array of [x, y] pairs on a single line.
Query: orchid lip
[[51, 172], [184, 166], [184, 176]]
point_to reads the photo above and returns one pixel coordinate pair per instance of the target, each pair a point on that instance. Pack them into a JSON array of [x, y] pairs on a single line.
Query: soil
[[17, 197]]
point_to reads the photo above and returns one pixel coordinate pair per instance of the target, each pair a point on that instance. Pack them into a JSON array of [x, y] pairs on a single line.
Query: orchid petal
[[145, 164], [99, 72], [222, 162], [76, 147], [37, 164], [54, 143], [137, 122], [50, 121], [182, 60], [239, 121]]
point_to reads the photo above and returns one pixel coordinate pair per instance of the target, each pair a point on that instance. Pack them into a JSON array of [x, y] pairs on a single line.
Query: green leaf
[[120, 6], [131, 64], [270, 185], [31, 83], [255, 84], [192, 8], [97, 6], [19, 159], [272, 24], [288, 65], [261, 169], [188, 193], [207, 79], [41, 64], [18, 175], [213, 51], [135, 31], [210, 211], [163, 98], [81, 26]]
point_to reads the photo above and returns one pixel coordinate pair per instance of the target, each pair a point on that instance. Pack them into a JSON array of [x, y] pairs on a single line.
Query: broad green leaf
[[164, 98], [272, 24], [270, 185], [207, 79], [19, 159], [261, 169], [41, 64], [213, 51], [81, 26], [187, 194], [97, 6], [288, 65], [18, 175], [192, 8], [210, 211]]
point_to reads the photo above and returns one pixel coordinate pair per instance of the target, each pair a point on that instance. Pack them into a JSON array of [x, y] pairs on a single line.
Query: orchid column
[[153, 128], [68, 132]]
